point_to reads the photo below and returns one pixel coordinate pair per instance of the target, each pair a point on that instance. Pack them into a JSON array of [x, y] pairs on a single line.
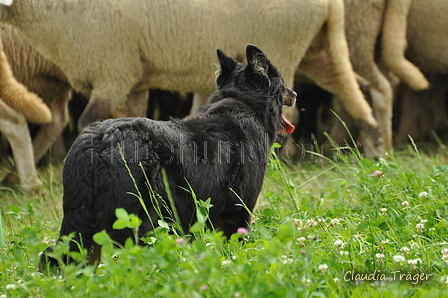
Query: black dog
[[220, 153]]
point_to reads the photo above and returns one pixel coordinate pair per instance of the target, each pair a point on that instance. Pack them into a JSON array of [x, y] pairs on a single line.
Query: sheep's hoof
[[31, 186], [10, 180], [371, 139]]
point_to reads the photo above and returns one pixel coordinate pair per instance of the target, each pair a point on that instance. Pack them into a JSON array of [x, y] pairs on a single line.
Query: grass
[[321, 229]]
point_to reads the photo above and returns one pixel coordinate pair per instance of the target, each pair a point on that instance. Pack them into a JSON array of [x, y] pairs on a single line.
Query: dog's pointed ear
[[257, 60], [226, 64]]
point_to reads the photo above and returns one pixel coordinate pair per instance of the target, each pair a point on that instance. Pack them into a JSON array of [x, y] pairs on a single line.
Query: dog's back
[[221, 153]]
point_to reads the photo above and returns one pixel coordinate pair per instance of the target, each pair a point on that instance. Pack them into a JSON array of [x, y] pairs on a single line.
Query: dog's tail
[[350, 94], [394, 43], [19, 98]]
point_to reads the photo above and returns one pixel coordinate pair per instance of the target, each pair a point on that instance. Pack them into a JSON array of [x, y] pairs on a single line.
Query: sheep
[[414, 27], [424, 29], [16, 106], [113, 51], [17, 96], [427, 35], [421, 115], [394, 42], [42, 77], [365, 21]]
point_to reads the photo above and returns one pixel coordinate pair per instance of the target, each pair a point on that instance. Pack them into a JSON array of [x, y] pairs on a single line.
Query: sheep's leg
[[394, 43], [199, 100], [338, 131], [327, 61], [14, 126], [137, 104], [48, 133], [318, 69], [362, 41], [382, 101], [380, 97], [98, 108], [320, 65], [380, 92]]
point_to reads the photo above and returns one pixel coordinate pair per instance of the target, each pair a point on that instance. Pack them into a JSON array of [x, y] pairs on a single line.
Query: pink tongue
[[287, 126]]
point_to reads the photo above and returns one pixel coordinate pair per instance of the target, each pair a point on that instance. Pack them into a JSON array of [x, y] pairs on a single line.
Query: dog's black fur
[[221, 151]]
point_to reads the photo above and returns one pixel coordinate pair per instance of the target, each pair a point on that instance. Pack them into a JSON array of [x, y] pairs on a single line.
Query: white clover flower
[[383, 211], [380, 258], [323, 268], [11, 287], [287, 259], [444, 279], [405, 203], [334, 222], [399, 259], [414, 261], [444, 251], [301, 241], [405, 250], [357, 236], [298, 223], [312, 237], [423, 195], [225, 263], [423, 221], [385, 241], [414, 245], [311, 223], [378, 174], [420, 227], [336, 280], [344, 253], [445, 258], [339, 244], [306, 281]]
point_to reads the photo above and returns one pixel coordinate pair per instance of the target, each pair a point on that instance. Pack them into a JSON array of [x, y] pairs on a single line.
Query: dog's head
[[258, 75]]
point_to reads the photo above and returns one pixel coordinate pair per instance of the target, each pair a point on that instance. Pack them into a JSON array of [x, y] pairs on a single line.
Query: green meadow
[[350, 228]]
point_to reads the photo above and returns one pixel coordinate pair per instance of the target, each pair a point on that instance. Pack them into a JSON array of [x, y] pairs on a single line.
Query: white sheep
[[418, 28], [15, 95], [42, 77], [427, 35], [394, 41], [16, 104], [365, 22], [114, 49], [423, 34]]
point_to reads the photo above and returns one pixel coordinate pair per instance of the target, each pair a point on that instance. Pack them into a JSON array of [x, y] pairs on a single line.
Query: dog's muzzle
[[289, 99]]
